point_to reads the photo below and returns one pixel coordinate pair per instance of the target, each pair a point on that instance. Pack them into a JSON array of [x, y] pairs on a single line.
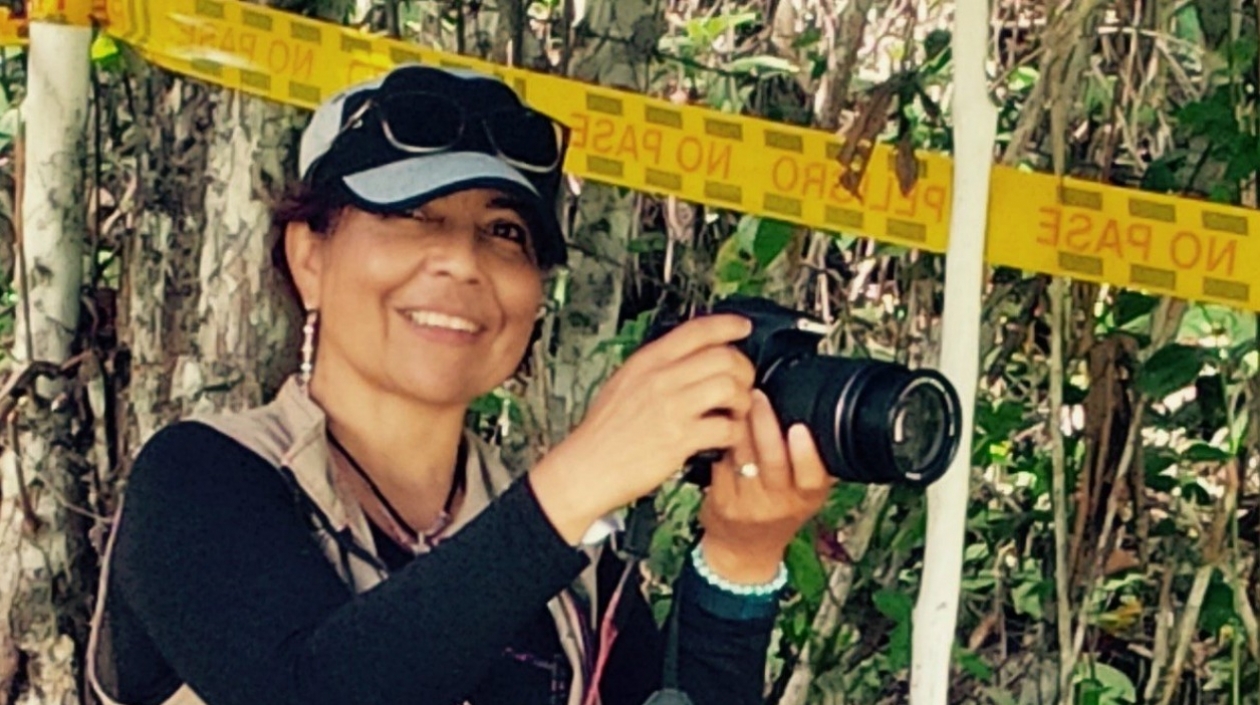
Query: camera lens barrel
[[873, 422]]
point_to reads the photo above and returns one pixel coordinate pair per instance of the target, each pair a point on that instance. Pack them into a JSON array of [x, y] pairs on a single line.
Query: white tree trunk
[[38, 542], [205, 322], [244, 325], [975, 123]]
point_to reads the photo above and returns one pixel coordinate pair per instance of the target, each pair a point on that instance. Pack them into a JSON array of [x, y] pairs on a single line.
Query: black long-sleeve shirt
[[217, 582]]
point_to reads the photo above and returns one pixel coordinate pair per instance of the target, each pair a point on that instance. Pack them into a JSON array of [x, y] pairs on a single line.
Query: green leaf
[[1161, 175], [660, 610], [485, 405], [9, 123], [806, 570], [733, 271], [1027, 599], [1000, 420], [771, 239], [647, 242], [1223, 192], [1196, 493], [1211, 320], [1157, 459], [845, 497], [706, 30], [1186, 25], [894, 604], [761, 65], [1211, 117], [970, 662], [1131, 305], [1171, 368], [936, 42], [1218, 606], [811, 35], [1242, 52], [1117, 688], [1200, 452], [1023, 78], [1164, 528], [103, 48], [899, 646]]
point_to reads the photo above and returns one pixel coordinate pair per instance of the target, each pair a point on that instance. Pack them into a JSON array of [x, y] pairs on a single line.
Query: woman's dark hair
[[317, 207]]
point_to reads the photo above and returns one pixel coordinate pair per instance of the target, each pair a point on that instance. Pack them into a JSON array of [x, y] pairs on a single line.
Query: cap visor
[[411, 182]]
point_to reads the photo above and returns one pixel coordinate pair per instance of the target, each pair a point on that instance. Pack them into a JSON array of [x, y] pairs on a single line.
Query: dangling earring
[[308, 348]]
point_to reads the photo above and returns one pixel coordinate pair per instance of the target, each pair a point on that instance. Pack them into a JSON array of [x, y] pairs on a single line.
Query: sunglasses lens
[[525, 137], [422, 120]]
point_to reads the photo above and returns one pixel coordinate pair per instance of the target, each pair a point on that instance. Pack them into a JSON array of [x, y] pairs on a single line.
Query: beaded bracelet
[[764, 591]]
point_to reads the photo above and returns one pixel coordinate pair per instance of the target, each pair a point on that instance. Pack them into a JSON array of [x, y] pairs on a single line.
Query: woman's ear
[[304, 250]]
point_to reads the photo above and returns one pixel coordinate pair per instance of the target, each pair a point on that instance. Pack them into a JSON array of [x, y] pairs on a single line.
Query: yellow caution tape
[[12, 29], [74, 12], [1177, 246], [1038, 222]]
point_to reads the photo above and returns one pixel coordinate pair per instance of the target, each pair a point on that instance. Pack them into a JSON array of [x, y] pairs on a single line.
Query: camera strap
[[669, 670]]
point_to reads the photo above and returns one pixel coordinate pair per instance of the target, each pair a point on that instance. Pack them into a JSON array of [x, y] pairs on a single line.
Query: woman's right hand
[[686, 392]]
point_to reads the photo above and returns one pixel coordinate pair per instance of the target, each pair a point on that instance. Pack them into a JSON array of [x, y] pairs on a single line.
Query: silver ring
[[749, 470]]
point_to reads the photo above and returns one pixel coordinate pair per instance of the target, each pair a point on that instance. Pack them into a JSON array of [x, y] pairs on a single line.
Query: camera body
[[873, 422], [778, 334]]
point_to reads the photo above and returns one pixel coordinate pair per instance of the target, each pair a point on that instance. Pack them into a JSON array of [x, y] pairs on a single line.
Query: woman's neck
[[407, 448]]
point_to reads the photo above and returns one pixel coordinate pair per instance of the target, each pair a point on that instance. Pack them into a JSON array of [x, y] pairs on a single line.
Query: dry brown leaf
[[859, 139], [907, 164], [1120, 560], [981, 633]]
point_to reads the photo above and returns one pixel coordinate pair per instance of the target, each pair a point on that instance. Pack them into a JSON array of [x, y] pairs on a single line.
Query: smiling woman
[[436, 303], [351, 542]]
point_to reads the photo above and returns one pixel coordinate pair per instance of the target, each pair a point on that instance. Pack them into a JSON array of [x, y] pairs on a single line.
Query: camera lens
[[920, 427], [874, 422]]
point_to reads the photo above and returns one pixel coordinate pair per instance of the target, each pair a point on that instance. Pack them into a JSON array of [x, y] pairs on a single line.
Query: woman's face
[[437, 306]]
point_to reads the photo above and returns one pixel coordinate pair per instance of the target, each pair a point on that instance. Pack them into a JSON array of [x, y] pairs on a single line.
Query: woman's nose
[[455, 254]]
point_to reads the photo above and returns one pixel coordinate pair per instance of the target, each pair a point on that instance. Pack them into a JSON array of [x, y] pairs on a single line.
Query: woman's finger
[[712, 361], [694, 335], [767, 439], [717, 393], [714, 432], [808, 471], [747, 468], [724, 485]]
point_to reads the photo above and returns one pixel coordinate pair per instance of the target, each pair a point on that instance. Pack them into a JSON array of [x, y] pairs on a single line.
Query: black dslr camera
[[874, 422]]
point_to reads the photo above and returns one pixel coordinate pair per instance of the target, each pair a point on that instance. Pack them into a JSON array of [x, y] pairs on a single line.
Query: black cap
[[379, 176]]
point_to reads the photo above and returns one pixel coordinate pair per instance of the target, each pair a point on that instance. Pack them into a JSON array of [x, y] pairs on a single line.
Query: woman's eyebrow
[[508, 203]]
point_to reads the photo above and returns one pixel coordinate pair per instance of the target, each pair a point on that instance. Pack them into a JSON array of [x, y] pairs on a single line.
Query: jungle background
[[1156, 436]]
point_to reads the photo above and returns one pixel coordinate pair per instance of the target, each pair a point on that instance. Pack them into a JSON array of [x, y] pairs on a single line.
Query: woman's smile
[[445, 328]]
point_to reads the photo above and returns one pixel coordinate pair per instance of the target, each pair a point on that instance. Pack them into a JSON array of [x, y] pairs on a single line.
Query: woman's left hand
[[749, 521]]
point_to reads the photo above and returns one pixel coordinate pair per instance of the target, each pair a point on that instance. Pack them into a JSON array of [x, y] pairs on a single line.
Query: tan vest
[[290, 433]]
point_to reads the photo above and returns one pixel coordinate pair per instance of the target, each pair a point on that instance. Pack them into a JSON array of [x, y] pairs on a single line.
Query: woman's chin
[[440, 390]]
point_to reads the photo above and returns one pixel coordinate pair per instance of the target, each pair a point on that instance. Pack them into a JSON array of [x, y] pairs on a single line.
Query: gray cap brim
[[412, 182], [409, 182]]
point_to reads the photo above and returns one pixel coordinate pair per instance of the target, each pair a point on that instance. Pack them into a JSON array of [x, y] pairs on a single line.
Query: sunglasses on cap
[[521, 137]]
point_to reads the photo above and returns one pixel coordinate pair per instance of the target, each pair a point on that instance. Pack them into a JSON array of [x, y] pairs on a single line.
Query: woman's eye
[[513, 232]]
